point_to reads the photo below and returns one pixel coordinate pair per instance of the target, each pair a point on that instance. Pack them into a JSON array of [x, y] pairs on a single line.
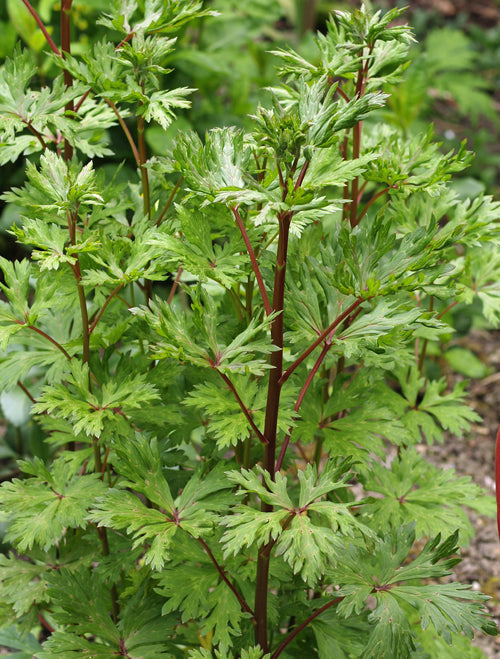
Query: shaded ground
[[474, 455]]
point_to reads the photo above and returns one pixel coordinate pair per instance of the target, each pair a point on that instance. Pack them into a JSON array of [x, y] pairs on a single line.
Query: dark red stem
[[45, 624], [42, 27], [21, 386], [222, 573], [34, 131], [304, 624], [128, 135], [320, 339], [255, 265], [271, 423], [68, 78], [244, 408], [301, 176], [169, 201], [372, 201], [174, 286], [99, 315], [46, 336], [442, 313], [296, 408]]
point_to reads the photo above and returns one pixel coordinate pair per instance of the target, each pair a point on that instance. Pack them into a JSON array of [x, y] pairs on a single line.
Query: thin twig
[[304, 624], [255, 265], [372, 201], [46, 336], [124, 126], [242, 405], [174, 286], [42, 27], [103, 309], [321, 338], [301, 176], [442, 313], [21, 385], [222, 573], [34, 131], [300, 398], [169, 201]]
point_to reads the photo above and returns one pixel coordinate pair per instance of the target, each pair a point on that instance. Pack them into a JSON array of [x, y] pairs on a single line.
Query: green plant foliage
[[221, 345]]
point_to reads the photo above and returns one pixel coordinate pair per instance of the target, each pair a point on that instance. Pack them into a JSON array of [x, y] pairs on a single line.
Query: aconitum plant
[[226, 356]]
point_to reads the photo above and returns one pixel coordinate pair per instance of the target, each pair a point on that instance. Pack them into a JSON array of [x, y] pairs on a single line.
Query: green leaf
[[307, 533], [121, 510], [159, 106], [464, 361], [26, 645], [194, 337], [382, 572], [218, 165], [57, 187], [200, 594], [22, 583], [414, 490], [40, 509], [338, 637], [90, 411]]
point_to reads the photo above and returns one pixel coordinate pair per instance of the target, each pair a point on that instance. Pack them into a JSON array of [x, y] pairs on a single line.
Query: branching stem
[[169, 201], [255, 265], [128, 135], [243, 407], [300, 398], [373, 200], [223, 575], [303, 625], [141, 143], [174, 286], [23, 388], [321, 338], [42, 27], [48, 337], [68, 78], [103, 309]]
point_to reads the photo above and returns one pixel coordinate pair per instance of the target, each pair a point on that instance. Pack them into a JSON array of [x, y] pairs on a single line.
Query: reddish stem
[[372, 201], [82, 100], [169, 201], [450, 306], [222, 573], [46, 336], [45, 624], [343, 94], [34, 131], [42, 27], [104, 463], [21, 386], [244, 408], [304, 624], [128, 135], [174, 286], [99, 315], [68, 78], [271, 424], [296, 408], [255, 265], [301, 176], [320, 339]]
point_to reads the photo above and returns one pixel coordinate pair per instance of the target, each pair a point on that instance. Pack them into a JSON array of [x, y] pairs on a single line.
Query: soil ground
[[474, 455]]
